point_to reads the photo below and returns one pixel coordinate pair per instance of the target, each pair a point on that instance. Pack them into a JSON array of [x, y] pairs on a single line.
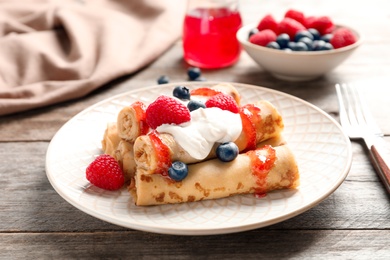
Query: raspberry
[[268, 22], [342, 37], [323, 24], [104, 172], [264, 37], [290, 26], [166, 110], [224, 102], [308, 21], [296, 15]]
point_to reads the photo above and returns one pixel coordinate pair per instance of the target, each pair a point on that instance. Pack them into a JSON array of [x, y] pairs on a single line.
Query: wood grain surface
[[352, 223]]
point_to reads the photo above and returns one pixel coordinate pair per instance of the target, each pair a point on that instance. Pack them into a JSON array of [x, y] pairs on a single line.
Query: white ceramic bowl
[[295, 65]]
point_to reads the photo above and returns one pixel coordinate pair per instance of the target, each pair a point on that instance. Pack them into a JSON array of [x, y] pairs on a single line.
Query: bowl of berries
[[298, 47]]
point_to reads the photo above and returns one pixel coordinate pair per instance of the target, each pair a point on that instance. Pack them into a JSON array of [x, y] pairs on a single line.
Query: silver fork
[[358, 123]]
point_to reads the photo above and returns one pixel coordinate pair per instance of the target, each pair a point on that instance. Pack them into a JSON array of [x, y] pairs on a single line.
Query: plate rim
[[154, 228]]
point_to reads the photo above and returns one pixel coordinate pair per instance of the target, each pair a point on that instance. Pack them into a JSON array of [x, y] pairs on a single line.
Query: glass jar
[[209, 33]]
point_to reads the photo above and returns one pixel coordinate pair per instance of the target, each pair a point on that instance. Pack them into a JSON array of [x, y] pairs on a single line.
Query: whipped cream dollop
[[207, 127]]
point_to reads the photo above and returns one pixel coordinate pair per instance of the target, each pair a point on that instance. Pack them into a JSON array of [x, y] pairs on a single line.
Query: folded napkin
[[53, 51]]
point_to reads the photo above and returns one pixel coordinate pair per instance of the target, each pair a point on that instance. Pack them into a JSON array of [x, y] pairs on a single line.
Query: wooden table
[[352, 223]]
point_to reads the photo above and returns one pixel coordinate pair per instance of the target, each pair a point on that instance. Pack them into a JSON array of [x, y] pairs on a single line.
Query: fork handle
[[381, 162]]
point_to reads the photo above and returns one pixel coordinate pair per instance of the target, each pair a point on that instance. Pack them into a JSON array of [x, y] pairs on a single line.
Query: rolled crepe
[[131, 121], [120, 149], [110, 139], [225, 88], [125, 157], [230, 90], [261, 121], [257, 171]]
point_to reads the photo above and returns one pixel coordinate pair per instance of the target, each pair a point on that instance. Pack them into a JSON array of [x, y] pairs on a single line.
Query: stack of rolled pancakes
[[132, 145]]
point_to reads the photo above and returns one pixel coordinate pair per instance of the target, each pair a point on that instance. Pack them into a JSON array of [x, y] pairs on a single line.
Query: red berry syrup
[[209, 37]]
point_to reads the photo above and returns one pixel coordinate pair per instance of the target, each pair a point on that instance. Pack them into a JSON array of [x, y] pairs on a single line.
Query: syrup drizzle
[[162, 151], [248, 126], [262, 161], [140, 112]]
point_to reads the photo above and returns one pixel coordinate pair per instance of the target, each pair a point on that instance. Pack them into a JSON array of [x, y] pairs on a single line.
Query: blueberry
[[297, 46], [283, 40], [181, 92], [195, 104], [301, 47], [308, 42], [200, 79], [163, 79], [317, 45], [316, 34], [322, 46], [227, 152], [194, 73], [327, 47], [302, 34], [178, 171], [291, 45], [326, 37], [273, 45]]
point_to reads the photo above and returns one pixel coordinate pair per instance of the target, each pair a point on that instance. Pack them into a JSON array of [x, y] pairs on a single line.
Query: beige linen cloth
[[56, 50]]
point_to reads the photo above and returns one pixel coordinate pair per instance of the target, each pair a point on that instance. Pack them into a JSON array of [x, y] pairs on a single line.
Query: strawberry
[[296, 15], [224, 102], [104, 172], [323, 24], [268, 22], [205, 91], [263, 37], [290, 26], [166, 110], [342, 37]]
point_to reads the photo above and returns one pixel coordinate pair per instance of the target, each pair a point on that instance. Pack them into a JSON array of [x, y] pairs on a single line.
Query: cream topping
[[207, 127]]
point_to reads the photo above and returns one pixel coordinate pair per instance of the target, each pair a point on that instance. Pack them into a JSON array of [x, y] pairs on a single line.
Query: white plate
[[322, 150]]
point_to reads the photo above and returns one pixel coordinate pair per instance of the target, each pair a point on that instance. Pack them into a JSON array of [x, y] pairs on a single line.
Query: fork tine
[[354, 114], [354, 110], [346, 103], [356, 122], [343, 111], [357, 113], [365, 111]]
